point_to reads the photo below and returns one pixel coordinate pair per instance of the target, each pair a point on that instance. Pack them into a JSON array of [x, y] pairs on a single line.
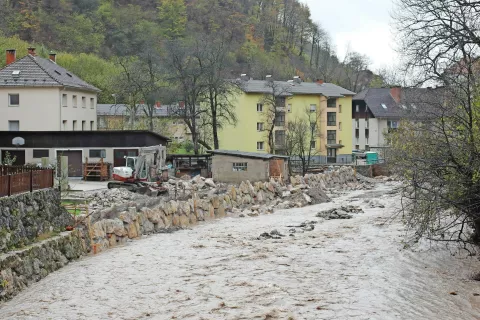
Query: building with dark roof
[[324, 106], [376, 111], [37, 94], [108, 146]]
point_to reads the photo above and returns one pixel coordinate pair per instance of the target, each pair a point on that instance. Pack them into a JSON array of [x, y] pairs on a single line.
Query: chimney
[[244, 77], [32, 51], [319, 81], [396, 92], [53, 57], [269, 78], [297, 79], [11, 55]]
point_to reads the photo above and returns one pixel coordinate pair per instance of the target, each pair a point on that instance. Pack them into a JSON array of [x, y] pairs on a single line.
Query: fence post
[[9, 185], [31, 180]]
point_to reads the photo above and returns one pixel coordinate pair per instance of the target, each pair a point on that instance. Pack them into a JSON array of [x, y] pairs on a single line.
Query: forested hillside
[[95, 38]]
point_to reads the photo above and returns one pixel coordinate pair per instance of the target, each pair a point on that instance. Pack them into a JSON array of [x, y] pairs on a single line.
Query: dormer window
[[16, 74]]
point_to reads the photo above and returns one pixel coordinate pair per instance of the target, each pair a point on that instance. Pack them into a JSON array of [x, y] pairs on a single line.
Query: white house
[[37, 94]]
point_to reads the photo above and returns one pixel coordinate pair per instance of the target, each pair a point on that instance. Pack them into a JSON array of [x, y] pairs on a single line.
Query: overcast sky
[[364, 24]]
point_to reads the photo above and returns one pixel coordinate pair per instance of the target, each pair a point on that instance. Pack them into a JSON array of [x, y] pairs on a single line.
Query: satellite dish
[[18, 141]]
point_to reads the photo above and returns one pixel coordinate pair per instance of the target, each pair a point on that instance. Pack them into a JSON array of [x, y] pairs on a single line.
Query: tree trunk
[[476, 226]]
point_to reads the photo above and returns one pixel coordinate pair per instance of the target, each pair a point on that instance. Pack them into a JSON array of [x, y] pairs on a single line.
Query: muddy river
[[342, 269]]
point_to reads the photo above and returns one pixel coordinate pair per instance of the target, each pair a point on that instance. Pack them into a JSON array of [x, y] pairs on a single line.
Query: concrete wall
[[222, 169], [41, 109], [25, 217]]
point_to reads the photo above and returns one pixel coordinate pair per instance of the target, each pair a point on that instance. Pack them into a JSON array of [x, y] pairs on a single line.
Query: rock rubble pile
[[339, 213]]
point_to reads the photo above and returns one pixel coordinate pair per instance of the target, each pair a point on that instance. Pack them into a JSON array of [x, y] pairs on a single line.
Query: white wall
[[41, 109], [376, 130], [69, 113], [38, 109]]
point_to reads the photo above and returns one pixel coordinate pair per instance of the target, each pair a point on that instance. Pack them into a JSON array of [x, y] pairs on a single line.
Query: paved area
[[81, 185], [342, 269]]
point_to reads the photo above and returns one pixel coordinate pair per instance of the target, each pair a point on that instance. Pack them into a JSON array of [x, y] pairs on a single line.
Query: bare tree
[[355, 68], [273, 104], [301, 137], [212, 54], [438, 154], [188, 87]]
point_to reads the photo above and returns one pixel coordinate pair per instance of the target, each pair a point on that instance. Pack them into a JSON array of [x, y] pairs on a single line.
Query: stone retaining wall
[[112, 228], [19, 269], [25, 217]]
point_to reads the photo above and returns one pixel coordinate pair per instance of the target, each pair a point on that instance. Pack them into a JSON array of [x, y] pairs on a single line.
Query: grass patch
[[46, 235], [73, 207]]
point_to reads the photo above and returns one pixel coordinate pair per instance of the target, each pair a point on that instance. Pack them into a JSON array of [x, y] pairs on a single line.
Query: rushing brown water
[[343, 269]]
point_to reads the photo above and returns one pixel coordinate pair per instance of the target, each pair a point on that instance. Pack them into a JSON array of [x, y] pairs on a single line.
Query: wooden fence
[[19, 179]]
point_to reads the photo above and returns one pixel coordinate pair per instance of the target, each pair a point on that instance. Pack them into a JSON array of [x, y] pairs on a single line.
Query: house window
[[74, 123], [64, 100], [84, 102], [92, 103], [13, 125], [240, 166], [313, 127], [313, 144], [97, 153], [331, 136], [339, 141], [357, 147], [38, 153], [83, 125], [289, 108], [259, 107], [280, 119], [280, 137], [357, 123], [340, 109], [366, 142], [13, 100], [259, 126], [64, 125], [331, 118], [339, 126], [367, 147], [74, 101], [260, 145], [92, 125], [392, 124], [313, 108], [332, 103], [280, 102], [357, 108]]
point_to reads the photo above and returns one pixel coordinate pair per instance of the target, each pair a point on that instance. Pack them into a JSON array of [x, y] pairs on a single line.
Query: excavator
[[142, 174]]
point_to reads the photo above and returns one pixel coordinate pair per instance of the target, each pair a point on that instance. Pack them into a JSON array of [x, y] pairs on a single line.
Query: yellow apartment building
[[327, 106]]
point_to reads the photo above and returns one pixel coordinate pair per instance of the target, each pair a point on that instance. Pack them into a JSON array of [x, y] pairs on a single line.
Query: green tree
[[172, 16]]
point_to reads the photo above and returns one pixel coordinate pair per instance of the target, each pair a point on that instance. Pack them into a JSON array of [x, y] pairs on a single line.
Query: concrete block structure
[[237, 166]]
